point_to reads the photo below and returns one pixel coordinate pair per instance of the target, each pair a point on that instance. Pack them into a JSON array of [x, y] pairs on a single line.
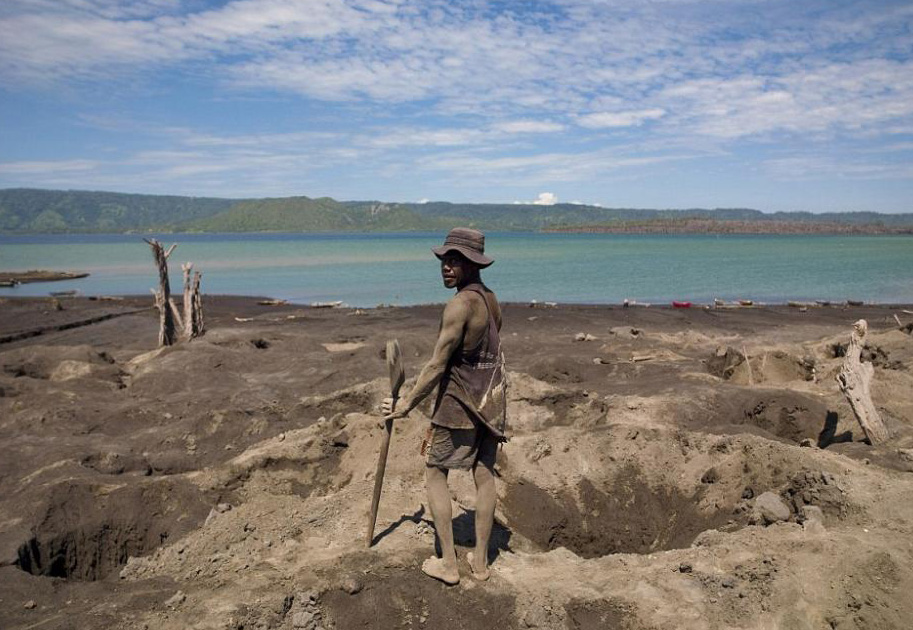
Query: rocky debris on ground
[[584, 337], [543, 449], [306, 613], [817, 488], [724, 361], [176, 600], [626, 332], [812, 518], [351, 585], [769, 508]]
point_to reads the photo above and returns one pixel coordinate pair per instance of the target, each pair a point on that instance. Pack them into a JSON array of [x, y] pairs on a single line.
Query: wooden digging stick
[[397, 376]]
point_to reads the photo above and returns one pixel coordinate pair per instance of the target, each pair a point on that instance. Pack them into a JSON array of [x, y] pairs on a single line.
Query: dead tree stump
[[855, 379], [167, 333], [171, 323]]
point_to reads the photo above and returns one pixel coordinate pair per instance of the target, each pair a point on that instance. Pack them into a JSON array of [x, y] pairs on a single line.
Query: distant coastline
[[36, 211], [710, 226]]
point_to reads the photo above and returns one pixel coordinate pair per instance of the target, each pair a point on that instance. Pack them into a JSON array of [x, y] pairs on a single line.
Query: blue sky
[[768, 104]]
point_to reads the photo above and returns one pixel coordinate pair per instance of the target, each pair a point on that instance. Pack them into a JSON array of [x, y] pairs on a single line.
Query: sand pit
[[593, 521], [704, 472], [88, 532]]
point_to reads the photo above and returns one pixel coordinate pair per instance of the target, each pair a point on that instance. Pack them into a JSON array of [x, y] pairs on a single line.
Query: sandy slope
[[225, 483]]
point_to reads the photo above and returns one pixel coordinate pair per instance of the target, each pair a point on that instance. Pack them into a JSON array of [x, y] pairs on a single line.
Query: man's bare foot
[[480, 573], [435, 567]]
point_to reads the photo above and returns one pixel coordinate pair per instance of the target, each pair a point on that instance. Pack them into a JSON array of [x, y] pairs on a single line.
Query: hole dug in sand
[[86, 535], [776, 414], [627, 516]]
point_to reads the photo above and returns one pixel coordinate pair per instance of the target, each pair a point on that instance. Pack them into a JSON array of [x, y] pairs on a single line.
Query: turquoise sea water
[[369, 269]]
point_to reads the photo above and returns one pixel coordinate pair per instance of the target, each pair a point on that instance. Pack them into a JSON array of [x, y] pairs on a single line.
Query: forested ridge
[[24, 210]]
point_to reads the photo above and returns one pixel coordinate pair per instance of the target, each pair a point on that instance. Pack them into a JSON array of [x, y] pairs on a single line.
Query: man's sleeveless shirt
[[465, 391]]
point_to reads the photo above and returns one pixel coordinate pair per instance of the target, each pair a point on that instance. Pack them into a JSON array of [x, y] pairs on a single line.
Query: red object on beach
[[681, 304]]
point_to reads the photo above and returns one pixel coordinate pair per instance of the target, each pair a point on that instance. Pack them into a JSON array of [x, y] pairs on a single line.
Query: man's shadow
[[464, 532], [392, 527], [464, 535], [829, 435]]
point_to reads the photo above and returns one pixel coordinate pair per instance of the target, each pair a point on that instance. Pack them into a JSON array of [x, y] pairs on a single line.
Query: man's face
[[454, 270]]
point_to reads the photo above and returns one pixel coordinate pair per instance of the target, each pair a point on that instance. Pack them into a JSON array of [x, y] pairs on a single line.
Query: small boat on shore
[[746, 303], [677, 304]]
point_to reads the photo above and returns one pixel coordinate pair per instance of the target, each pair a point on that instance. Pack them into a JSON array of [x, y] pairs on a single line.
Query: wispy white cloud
[[529, 126], [833, 97], [269, 140], [47, 167], [600, 120], [547, 167], [892, 147], [92, 39], [807, 168], [417, 137]]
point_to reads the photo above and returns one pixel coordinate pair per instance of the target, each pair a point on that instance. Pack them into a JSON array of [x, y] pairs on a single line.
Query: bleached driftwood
[[167, 333], [855, 379], [176, 314]]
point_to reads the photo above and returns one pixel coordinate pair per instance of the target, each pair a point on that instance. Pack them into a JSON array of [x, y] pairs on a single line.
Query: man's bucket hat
[[466, 241]]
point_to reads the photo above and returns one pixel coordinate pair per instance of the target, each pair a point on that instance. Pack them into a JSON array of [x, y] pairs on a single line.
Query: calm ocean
[[369, 269]]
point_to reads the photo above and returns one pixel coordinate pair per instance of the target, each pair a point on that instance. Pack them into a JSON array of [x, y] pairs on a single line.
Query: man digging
[[469, 414]]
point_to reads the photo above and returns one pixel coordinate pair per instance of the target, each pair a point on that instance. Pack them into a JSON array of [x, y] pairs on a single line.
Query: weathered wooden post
[[198, 326], [855, 379], [188, 301], [193, 303]]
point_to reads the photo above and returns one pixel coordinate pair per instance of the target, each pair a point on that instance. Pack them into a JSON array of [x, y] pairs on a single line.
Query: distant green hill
[[33, 210], [303, 214], [24, 210]]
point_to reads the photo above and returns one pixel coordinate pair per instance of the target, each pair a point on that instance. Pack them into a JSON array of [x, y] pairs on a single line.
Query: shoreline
[[268, 302], [272, 303], [13, 278], [55, 314]]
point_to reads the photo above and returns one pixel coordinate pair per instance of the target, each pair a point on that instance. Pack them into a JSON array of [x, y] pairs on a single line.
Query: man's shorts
[[461, 448]]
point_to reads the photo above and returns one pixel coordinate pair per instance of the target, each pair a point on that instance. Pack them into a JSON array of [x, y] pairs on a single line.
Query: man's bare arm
[[453, 324]]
